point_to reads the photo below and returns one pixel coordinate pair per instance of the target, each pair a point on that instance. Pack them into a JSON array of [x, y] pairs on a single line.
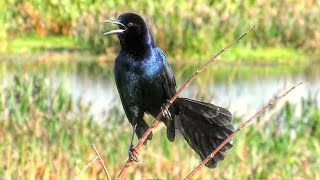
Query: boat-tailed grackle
[[145, 82]]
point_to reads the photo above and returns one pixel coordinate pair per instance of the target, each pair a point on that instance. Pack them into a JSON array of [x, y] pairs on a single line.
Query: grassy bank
[[29, 45], [35, 43], [43, 134], [181, 28]]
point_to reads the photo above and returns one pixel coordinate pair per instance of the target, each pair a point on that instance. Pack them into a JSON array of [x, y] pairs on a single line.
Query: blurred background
[[58, 96]]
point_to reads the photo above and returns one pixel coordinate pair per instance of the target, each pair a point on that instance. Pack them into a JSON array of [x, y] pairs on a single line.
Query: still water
[[246, 92]]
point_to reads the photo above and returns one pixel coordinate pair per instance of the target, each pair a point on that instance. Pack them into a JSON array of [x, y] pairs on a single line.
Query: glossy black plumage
[[145, 81], [204, 126]]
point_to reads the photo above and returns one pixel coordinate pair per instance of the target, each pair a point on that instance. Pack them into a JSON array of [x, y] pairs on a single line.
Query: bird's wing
[[169, 88], [167, 75]]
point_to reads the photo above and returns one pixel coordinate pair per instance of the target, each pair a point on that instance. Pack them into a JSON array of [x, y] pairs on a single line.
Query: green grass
[[265, 55], [32, 43], [43, 134], [239, 53], [181, 28]]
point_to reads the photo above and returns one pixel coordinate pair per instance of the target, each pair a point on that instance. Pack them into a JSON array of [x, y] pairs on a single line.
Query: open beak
[[117, 31]]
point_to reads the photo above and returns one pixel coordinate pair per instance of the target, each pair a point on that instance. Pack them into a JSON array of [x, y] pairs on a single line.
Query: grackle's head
[[133, 31]]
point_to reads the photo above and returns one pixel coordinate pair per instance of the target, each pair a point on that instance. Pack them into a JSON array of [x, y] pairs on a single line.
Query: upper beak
[[117, 31]]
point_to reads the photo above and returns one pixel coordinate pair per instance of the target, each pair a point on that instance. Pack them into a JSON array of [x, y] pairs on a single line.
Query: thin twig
[[186, 84], [101, 161], [272, 102], [89, 164]]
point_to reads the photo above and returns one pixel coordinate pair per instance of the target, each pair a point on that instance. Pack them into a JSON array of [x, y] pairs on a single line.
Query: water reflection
[[243, 95]]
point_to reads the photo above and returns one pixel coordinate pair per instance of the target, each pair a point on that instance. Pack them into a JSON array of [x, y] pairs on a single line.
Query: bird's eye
[[130, 24]]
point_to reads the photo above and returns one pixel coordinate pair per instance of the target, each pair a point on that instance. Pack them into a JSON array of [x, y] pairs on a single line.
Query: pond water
[[243, 94]]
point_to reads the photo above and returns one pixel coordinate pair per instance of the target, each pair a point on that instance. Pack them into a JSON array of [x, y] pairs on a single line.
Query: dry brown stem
[[101, 161], [98, 157]]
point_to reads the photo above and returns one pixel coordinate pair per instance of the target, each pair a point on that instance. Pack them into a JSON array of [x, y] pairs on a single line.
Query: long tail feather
[[204, 126]]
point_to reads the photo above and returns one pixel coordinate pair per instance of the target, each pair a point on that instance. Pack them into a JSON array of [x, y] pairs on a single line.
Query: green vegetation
[[32, 43], [184, 30], [240, 53], [44, 134], [265, 56]]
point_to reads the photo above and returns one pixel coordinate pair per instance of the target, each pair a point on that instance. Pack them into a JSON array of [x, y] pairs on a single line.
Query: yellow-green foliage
[[184, 29], [43, 134]]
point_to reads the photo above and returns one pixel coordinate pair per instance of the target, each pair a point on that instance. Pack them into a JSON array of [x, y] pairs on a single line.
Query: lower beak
[[117, 31]]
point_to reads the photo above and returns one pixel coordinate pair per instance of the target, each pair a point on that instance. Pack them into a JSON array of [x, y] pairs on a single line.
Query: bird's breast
[[143, 75]]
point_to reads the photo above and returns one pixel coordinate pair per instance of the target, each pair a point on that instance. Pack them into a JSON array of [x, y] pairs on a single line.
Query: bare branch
[[186, 84], [272, 102], [101, 161]]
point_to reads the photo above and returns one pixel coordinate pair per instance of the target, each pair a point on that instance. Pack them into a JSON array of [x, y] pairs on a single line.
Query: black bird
[[145, 82]]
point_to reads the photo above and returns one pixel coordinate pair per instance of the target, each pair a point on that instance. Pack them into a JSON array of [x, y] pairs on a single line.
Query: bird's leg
[[133, 155], [165, 112], [168, 120]]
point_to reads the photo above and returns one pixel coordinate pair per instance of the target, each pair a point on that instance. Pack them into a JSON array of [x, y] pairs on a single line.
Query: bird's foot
[[165, 112], [133, 154]]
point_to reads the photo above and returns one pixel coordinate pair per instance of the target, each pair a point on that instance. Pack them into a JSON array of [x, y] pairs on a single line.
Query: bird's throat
[[136, 48], [138, 44]]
